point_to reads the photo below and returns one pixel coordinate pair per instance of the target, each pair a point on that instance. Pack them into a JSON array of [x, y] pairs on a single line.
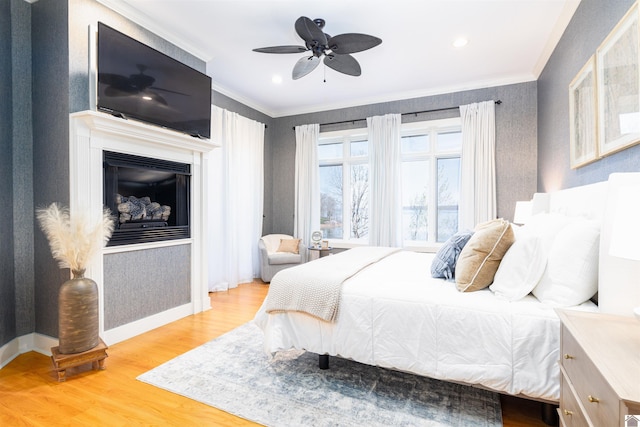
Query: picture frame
[[583, 106], [618, 82]]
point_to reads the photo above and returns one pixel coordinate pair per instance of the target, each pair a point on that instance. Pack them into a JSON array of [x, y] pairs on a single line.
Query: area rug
[[234, 374]]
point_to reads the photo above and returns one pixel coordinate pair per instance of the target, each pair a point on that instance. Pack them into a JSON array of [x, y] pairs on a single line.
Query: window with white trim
[[344, 185], [430, 183]]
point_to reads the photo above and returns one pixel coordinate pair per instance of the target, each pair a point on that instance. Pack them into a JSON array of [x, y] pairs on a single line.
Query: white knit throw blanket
[[315, 287]]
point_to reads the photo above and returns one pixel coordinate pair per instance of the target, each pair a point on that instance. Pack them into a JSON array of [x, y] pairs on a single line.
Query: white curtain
[[478, 176], [385, 226], [235, 202], [307, 189]]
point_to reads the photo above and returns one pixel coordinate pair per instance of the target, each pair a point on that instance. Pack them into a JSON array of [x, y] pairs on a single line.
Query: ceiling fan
[[336, 50]]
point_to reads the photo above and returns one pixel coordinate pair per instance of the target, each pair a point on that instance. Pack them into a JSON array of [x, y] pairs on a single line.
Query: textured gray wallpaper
[[515, 144], [50, 62], [7, 290], [22, 157], [138, 284], [591, 23]]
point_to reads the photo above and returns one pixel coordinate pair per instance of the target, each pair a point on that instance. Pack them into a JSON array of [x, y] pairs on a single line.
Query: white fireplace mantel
[[93, 132]]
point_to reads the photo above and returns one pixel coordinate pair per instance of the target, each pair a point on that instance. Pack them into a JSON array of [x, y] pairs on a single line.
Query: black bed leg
[[323, 361], [549, 414]]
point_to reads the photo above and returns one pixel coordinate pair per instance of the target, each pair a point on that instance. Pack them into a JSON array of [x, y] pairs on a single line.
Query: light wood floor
[[30, 394]]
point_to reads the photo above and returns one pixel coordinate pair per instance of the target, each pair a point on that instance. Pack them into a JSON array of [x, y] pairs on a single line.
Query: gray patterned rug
[[234, 374]]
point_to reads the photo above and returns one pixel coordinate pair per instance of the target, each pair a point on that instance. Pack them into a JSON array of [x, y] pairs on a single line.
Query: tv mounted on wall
[[136, 81]]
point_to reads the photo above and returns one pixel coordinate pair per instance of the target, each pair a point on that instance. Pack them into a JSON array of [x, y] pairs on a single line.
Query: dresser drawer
[[592, 390], [570, 413]]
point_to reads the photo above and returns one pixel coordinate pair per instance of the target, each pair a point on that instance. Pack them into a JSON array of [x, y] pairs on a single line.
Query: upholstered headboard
[[586, 201], [618, 278]]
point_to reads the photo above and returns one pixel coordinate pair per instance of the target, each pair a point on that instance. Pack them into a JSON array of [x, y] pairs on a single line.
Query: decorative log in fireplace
[[132, 210], [150, 197]]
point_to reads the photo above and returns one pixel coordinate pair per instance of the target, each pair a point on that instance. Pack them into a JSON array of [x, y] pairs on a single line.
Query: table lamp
[[620, 293]]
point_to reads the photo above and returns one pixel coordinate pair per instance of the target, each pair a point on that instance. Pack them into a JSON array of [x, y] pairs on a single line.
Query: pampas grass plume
[[72, 238]]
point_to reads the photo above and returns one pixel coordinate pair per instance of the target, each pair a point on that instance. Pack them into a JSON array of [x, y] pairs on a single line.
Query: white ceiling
[[510, 41]]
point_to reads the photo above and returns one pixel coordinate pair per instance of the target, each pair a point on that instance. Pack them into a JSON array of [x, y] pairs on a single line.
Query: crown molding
[[145, 21]]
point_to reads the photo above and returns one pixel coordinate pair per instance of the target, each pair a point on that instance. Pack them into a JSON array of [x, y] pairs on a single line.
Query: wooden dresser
[[600, 369]]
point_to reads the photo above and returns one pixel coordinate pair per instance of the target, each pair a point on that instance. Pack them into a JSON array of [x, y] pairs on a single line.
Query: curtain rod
[[498, 102]]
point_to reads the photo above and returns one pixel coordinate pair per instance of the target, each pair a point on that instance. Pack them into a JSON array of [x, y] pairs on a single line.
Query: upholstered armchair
[[277, 252]]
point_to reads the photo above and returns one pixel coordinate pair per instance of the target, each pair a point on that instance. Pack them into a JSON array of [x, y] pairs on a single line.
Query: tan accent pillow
[[480, 258], [289, 245]]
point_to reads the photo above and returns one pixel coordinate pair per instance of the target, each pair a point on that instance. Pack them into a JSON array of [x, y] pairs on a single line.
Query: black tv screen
[[136, 81]]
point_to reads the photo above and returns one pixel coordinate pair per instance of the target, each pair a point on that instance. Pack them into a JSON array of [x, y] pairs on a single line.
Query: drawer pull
[[568, 413], [593, 399], [568, 356]]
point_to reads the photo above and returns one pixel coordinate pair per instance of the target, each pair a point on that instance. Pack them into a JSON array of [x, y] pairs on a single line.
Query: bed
[[393, 314]]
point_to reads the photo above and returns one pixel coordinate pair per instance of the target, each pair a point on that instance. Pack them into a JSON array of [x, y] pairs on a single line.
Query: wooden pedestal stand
[[61, 362]]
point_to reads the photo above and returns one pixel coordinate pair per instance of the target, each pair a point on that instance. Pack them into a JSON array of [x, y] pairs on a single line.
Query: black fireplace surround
[[133, 182]]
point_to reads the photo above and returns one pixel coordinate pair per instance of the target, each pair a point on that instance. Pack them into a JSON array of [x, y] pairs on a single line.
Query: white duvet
[[395, 315]]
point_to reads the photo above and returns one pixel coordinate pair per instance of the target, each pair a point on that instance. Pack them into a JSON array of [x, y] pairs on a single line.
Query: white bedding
[[394, 315]]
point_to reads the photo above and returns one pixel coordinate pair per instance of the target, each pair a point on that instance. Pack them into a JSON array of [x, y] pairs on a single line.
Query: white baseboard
[[31, 342], [43, 343], [141, 326], [9, 351]]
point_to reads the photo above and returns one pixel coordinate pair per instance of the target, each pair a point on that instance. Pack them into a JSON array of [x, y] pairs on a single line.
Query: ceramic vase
[[78, 314]]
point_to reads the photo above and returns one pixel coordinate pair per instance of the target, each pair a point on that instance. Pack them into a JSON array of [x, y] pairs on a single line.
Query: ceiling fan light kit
[[336, 50]]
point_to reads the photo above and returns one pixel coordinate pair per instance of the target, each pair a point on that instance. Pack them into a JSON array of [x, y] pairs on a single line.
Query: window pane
[[415, 144], [330, 151], [359, 148], [448, 197], [331, 201], [415, 177], [450, 141], [359, 201]]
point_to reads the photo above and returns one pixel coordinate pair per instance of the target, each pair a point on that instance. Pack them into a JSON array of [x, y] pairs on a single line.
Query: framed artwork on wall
[[582, 116], [618, 77]]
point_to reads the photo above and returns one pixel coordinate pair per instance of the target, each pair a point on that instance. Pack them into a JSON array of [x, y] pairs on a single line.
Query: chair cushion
[[277, 258], [272, 241], [289, 245]]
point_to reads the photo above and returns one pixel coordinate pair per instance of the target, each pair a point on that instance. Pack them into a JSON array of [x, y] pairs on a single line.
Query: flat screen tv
[[136, 81]]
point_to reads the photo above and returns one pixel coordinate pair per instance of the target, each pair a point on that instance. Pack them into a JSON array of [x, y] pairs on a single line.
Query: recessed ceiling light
[[460, 42], [276, 79]]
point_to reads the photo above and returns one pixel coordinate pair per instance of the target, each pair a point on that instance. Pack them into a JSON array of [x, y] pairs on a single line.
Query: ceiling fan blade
[[115, 80], [304, 66], [309, 31], [281, 49], [345, 64], [168, 90], [352, 43]]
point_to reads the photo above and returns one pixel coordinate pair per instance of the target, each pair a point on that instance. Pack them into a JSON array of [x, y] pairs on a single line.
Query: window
[[344, 185], [430, 182]]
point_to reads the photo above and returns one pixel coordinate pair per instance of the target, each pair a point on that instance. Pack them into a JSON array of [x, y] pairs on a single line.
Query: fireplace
[[163, 277], [149, 198]]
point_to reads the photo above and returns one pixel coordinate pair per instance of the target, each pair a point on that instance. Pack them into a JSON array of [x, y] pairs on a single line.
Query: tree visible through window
[[430, 183]]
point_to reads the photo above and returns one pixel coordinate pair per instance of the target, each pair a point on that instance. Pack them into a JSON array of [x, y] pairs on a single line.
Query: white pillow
[[521, 269], [571, 276], [546, 226]]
